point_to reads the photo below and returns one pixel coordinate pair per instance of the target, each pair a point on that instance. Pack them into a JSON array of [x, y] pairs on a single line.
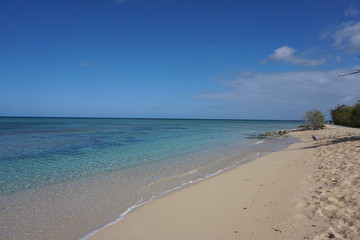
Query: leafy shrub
[[315, 118], [355, 115], [341, 115], [346, 115]]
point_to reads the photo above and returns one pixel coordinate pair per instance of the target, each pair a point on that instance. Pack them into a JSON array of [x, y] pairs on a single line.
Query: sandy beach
[[308, 191]]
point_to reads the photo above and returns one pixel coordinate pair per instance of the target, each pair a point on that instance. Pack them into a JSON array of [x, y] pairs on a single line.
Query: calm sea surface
[[62, 178]]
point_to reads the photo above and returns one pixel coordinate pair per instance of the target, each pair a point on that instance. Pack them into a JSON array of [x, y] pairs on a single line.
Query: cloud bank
[[287, 54], [288, 91]]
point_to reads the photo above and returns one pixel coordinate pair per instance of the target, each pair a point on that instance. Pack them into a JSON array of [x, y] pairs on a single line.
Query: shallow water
[[61, 178]]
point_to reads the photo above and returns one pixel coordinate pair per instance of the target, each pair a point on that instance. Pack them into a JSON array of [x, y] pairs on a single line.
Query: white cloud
[[352, 11], [284, 92], [89, 64], [122, 1], [347, 37], [287, 54]]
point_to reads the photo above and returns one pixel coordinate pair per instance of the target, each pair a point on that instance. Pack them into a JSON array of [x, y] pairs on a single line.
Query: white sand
[[333, 195]]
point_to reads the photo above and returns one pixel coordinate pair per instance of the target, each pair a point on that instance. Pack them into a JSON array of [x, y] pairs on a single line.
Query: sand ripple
[[335, 194]]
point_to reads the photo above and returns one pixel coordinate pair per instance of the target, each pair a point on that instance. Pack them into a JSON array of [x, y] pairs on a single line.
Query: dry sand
[[333, 195], [308, 191]]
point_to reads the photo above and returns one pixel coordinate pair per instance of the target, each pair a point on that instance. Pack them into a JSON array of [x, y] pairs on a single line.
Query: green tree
[[346, 115], [315, 118], [355, 115], [341, 115]]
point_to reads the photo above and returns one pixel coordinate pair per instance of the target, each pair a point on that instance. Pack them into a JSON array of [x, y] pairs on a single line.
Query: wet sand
[[308, 191]]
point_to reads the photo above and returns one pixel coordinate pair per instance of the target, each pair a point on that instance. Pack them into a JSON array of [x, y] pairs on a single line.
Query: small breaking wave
[[141, 202]]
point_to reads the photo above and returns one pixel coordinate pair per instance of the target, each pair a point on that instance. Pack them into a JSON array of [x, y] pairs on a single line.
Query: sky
[[222, 59]]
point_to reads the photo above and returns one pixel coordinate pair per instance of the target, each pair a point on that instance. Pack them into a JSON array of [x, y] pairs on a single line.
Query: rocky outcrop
[[283, 132]]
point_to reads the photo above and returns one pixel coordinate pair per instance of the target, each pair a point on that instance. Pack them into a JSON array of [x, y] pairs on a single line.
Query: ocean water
[[63, 178]]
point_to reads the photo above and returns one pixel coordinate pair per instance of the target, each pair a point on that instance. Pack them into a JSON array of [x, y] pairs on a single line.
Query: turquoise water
[[77, 173]]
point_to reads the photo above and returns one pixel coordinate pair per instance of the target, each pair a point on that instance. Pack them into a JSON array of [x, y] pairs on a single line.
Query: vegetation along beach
[[179, 119]]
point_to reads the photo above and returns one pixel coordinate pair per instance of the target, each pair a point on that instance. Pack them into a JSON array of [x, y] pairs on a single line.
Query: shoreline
[[176, 197], [310, 190], [190, 183]]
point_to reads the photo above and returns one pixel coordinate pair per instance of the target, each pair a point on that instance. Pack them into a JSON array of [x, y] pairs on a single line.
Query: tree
[[355, 72], [341, 115], [355, 115], [315, 118], [346, 115]]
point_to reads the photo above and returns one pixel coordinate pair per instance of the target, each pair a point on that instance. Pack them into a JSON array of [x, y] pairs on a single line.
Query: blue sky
[[254, 59]]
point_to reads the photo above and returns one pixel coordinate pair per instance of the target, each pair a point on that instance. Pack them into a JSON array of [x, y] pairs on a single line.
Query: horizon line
[[156, 118]]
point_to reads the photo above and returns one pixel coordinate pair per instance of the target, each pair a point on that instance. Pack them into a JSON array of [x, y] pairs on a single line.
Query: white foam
[[191, 172]]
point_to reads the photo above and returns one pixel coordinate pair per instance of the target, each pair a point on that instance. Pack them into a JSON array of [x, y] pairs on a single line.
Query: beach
[[175, 120], [309, 190]]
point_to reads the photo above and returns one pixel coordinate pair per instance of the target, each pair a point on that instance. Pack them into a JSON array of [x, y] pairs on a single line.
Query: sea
[[66, 178]]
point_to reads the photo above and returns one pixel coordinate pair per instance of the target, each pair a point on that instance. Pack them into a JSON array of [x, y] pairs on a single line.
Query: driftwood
[[314, 137]]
